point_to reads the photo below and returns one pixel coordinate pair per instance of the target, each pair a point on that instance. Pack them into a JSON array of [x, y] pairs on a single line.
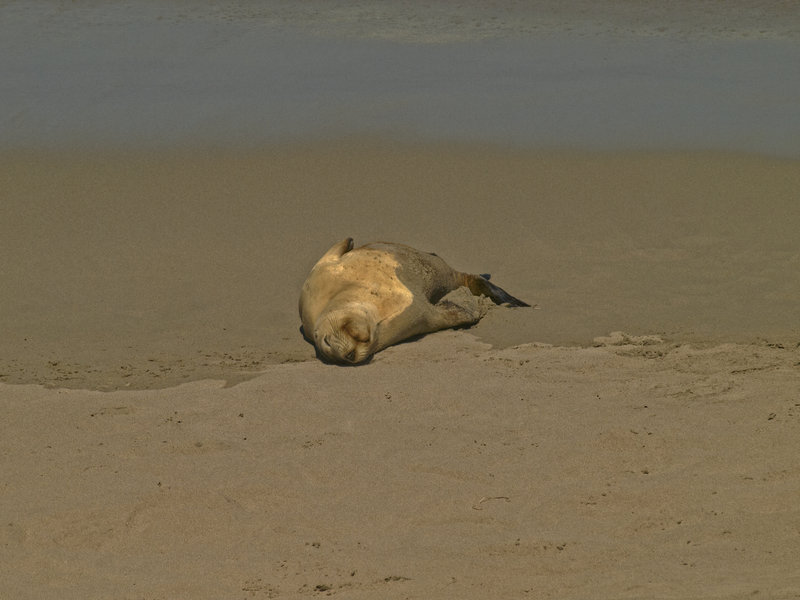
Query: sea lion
[[357, 302]]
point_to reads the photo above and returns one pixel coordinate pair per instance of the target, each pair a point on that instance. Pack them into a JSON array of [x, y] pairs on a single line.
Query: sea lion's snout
[[344, 340]]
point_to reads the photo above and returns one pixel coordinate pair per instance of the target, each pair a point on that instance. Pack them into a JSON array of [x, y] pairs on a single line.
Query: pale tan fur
[[357, 302]]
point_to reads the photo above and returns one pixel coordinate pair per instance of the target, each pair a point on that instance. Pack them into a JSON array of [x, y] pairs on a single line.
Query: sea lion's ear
[[357, 330], [338, 250]]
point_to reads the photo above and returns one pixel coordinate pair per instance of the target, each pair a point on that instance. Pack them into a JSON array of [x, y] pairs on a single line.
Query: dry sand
[[166, 433], [445, 469]]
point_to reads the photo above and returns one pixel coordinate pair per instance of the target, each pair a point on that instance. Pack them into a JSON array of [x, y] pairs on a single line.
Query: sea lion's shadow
[[413, 338]]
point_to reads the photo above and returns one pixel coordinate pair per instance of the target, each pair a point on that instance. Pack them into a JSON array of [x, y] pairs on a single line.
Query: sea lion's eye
[[326, 341], [351, 356]]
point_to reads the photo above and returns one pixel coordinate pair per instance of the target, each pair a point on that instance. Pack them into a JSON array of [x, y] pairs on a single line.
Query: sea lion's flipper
[[337, 250], [481, 286], [459, 308]]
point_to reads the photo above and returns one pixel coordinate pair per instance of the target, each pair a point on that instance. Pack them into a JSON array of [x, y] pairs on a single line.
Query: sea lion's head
[[346, 336]]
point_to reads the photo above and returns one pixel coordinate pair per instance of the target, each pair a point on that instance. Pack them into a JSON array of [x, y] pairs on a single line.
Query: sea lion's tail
[[480, 285]]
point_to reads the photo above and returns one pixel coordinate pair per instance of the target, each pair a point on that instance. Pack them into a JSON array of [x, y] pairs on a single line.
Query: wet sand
[[167, 432], [142, 271]]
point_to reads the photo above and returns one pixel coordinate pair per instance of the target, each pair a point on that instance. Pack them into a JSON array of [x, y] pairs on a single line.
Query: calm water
[[136, 73]]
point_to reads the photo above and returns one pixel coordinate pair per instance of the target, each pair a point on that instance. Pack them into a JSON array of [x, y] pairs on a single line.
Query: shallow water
[[138, 73]]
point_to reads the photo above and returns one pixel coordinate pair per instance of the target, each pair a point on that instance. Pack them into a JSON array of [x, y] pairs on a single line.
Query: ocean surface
[[96, 74]]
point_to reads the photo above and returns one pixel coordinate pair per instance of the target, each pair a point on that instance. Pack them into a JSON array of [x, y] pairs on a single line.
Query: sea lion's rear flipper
[[481, 286], [337, 250], [459, 308]]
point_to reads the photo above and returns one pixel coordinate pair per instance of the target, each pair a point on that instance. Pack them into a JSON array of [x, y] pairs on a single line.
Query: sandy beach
[[446, 469], [166, 431]]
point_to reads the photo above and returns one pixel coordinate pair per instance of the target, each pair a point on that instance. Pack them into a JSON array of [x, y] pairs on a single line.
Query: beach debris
[[477, 505]]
